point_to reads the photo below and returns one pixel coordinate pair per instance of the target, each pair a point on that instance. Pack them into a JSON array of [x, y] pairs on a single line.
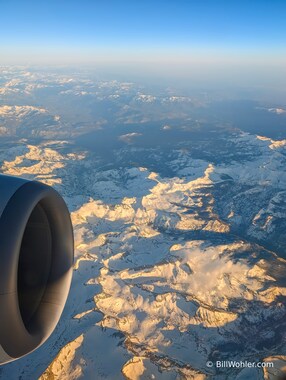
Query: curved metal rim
[[15, 338]]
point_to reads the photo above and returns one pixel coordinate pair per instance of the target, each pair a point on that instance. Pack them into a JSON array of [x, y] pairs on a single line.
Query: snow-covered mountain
[[180, 248]]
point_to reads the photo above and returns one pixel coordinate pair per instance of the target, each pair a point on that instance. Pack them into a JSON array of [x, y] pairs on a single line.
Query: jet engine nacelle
[[36, 258]]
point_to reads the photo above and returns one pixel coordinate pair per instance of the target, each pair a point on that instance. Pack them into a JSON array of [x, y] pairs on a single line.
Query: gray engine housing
[[36, 259]]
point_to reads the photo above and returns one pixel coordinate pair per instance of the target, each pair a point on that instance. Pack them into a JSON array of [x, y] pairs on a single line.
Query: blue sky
[[128, 30]]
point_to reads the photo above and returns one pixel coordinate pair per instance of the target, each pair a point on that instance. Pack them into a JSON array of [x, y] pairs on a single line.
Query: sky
[[211, 35]]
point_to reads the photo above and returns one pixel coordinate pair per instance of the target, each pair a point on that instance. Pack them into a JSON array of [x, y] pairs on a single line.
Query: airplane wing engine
[[36, 258]]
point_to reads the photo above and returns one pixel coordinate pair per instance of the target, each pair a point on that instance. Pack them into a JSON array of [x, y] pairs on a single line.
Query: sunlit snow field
[[178, 202]]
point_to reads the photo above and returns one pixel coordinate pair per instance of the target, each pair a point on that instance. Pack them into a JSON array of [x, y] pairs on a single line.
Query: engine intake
[[36, 258]]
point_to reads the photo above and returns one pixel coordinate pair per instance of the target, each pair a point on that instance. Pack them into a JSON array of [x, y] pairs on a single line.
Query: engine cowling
[[36, 259]]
